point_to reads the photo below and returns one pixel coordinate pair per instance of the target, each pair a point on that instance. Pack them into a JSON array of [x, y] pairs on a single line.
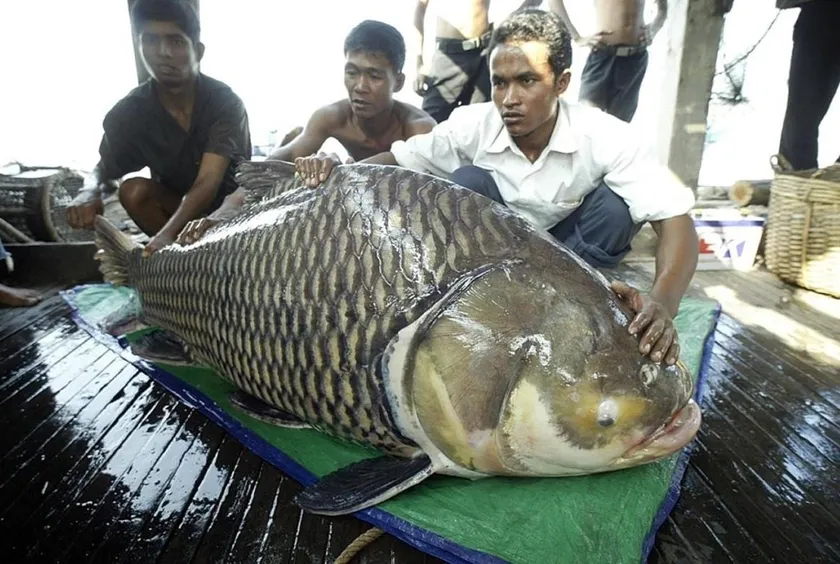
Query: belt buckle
[[469, 44]]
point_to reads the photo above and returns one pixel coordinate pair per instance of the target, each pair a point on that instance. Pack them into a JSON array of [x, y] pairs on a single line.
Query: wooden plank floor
[[99, 464]]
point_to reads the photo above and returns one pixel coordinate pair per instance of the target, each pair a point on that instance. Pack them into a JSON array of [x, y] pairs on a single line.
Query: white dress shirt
[[587, 146]]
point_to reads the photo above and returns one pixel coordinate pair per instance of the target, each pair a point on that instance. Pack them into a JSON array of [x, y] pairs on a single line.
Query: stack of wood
[[750, 193]]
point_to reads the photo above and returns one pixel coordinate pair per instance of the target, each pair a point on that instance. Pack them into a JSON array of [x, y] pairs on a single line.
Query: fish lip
[[674, 434]]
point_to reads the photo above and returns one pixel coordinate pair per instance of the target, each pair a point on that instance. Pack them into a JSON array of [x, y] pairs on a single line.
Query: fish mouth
[[670, 437]]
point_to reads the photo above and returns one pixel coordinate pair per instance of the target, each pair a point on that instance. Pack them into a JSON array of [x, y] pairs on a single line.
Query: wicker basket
[[34, 202], [803, 227]]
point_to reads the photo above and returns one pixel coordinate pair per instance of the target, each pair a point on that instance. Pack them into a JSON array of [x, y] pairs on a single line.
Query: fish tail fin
[[115, 248]]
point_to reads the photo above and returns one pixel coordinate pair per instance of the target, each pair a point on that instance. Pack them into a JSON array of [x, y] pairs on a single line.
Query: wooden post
[[694, 29], [142, 73]]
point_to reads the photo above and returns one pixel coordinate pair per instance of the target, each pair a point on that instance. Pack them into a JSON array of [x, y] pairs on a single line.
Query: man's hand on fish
[[653, 321], [315, 169], [84, 208], [159, 241], [195, 229]]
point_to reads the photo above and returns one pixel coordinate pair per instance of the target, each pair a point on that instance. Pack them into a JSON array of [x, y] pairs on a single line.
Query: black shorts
[[459, 75], [612, 77]]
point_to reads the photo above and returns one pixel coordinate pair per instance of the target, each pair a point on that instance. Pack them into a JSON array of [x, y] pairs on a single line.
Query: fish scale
[[312, 274]]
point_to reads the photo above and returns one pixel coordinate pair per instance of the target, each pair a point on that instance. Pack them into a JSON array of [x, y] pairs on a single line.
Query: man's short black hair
[[532, 24], [372, 36], [180, 12]]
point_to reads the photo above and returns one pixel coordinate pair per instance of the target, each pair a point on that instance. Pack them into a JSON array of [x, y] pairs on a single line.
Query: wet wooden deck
[[99, 464]]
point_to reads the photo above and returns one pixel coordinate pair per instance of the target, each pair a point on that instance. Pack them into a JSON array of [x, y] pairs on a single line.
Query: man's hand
[[159, 241], [594, 41], [420, 84], [653, 321], [195, 229], [420, 77], [84, 208], [315, 169]]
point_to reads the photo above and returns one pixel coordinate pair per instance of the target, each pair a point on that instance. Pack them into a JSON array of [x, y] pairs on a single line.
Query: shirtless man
[[367, 123], [618, 60], [458, 73]]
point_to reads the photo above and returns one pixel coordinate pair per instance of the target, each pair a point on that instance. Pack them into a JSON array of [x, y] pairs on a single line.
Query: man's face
[[169, 55], [371, 81], [525, 88]]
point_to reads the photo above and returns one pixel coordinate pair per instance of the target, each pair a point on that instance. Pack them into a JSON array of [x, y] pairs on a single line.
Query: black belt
[[621, 50], [451, 45]]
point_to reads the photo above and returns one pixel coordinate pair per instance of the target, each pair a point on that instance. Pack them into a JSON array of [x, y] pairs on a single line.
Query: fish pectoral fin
[[258, 409], [364, 484], [162, 346], [126, 319]]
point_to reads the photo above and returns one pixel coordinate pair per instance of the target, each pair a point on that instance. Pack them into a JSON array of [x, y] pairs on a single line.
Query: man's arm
[[211, 173], [229, 141], [529, 4], [118, 155], [676, 260], [319, 128], [651, 30], [419, 39], [559, 8]]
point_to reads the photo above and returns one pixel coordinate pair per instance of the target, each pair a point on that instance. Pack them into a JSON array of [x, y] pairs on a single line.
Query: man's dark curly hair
[[532, 24], [372, 36], [180, 12]]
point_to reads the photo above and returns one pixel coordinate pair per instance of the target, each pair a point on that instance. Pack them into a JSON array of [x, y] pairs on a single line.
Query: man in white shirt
[[571, 169]]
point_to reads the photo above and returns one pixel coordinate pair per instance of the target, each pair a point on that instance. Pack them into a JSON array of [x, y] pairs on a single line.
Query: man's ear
[[561, 82], [199, 51], [400, 82]]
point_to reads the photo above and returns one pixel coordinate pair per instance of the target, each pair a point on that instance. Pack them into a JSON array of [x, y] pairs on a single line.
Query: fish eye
[[607, 413], [606, 420]]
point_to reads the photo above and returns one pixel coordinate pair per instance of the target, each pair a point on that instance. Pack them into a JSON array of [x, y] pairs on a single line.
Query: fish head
[[525, 374], [614, 411]]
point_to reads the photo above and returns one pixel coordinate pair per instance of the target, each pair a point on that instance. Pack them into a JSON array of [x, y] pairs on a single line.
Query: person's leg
[[444, 85], [811, 84], [18, 297], [14, 297], [478, 180], [148, 203], [600, 230], [595, 80], [627, 76]]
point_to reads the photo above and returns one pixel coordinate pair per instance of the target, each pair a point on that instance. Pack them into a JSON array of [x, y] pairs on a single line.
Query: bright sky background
[[65, 64]]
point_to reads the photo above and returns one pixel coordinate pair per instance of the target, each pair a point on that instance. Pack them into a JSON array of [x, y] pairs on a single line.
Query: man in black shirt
[[189, 129]]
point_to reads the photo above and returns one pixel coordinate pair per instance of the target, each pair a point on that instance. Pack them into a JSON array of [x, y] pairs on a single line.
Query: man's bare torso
[[461, 19], [625, 18], [361, 146]]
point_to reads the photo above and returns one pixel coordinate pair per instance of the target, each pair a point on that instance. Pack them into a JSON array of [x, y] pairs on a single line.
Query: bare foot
[[18, 297]]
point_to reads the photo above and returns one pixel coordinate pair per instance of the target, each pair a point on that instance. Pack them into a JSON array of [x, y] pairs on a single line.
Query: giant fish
[[400, 311]]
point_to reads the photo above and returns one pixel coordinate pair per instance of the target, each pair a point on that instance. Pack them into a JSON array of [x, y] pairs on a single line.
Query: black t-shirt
[[139, 133]]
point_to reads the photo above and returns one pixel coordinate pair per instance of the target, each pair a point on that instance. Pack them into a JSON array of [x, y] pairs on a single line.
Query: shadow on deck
[[99, 464]]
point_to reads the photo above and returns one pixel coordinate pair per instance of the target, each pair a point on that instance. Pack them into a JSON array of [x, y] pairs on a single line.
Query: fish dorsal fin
[[262, 180], [364, 484]]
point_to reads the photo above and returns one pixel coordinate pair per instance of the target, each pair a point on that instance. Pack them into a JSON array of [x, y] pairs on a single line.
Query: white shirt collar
[[562, 139]]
